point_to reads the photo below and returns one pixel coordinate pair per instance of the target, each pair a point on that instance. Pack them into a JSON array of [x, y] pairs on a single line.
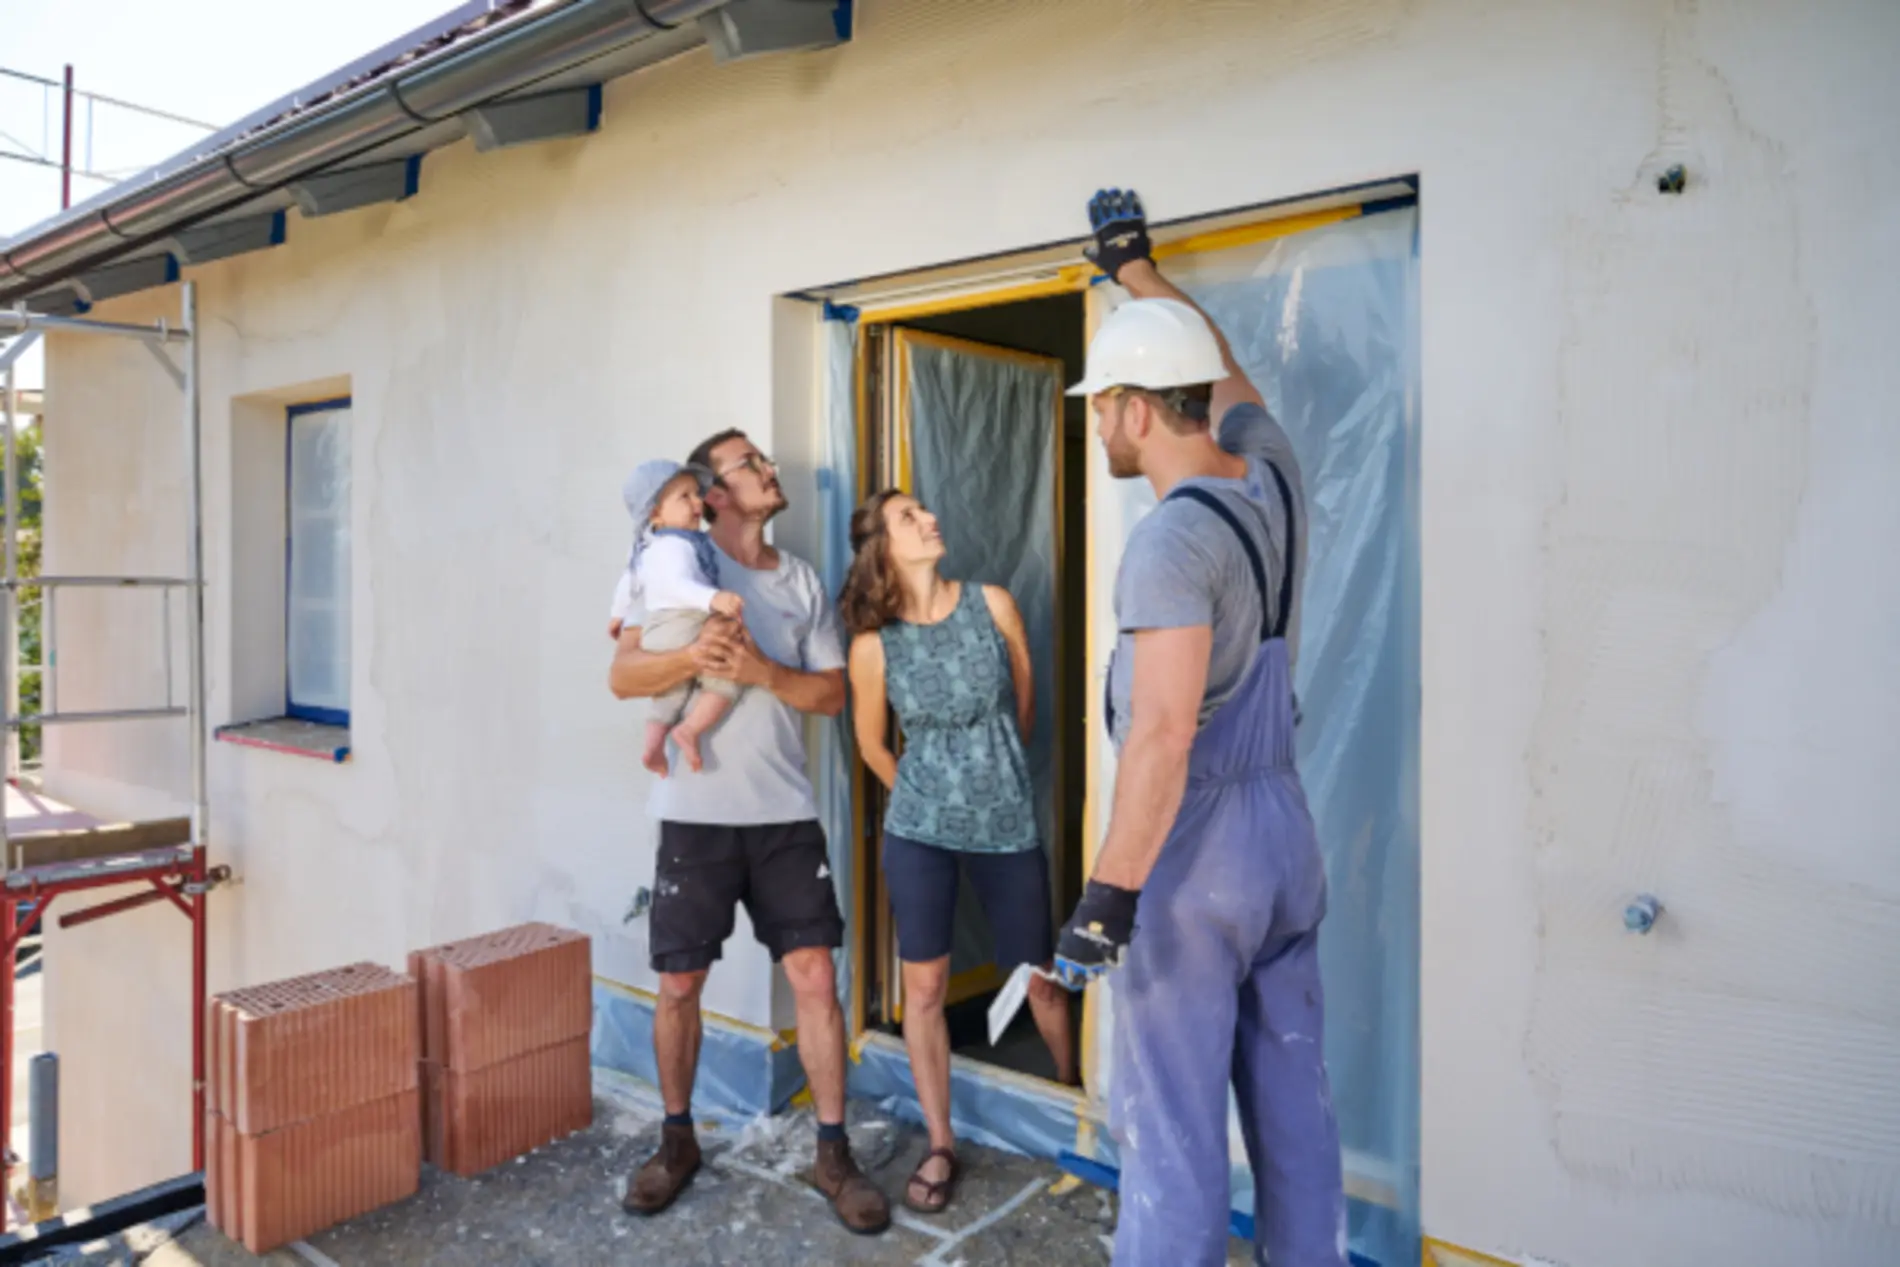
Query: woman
[[952, 660]]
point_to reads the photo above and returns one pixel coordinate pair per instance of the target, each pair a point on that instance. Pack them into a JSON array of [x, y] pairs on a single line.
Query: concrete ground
[[560, 1207]]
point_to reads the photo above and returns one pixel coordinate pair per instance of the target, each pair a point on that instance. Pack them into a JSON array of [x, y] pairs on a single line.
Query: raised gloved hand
[[1121, 230], [1097, 935]]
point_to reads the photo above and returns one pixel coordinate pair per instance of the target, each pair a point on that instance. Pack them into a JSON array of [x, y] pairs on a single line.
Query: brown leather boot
[[665, 1174], [856, 1200]]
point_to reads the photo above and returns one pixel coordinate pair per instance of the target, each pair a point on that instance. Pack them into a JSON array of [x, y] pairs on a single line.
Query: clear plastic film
[[1325, 324], [836, 756], [318, 616]]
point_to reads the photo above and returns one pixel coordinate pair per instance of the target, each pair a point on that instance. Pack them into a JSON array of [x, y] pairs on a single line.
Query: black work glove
[[1097, 935], [1121, 230]]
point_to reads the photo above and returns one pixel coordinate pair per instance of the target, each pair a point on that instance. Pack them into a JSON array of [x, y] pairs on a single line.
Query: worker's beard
[[1124, 459]]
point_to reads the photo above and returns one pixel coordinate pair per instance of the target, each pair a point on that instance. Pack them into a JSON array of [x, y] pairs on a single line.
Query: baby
[[675, 573]]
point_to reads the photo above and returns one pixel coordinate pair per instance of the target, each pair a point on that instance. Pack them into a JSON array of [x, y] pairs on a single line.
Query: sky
[[213, 61]]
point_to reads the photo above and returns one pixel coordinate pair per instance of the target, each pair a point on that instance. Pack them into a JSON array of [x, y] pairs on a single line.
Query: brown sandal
[[938, 1193]]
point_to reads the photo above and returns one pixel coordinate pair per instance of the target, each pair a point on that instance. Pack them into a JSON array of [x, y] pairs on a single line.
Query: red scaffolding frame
[[166, 857]]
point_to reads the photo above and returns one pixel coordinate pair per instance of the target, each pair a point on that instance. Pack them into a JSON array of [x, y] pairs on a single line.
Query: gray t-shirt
[[1183, 566], [755, 757]]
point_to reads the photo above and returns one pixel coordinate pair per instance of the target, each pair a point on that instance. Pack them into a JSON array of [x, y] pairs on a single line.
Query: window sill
[[290, 735]]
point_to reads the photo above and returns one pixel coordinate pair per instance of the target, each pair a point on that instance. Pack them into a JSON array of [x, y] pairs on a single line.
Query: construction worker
[[1209, 888]]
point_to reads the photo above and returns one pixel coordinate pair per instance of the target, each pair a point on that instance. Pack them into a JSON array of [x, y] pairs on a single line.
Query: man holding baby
[[738, 821]]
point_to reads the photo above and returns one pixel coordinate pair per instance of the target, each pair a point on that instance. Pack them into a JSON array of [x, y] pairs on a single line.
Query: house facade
[[1642, 642]]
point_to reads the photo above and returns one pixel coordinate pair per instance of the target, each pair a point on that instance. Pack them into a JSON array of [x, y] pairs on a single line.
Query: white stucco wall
[[1659, 646]]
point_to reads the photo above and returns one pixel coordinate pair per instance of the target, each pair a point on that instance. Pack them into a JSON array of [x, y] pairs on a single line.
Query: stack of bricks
[[505, 1023], [311, 1111]]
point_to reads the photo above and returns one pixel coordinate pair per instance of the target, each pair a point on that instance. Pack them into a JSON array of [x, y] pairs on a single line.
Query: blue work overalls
[[1221, 985]]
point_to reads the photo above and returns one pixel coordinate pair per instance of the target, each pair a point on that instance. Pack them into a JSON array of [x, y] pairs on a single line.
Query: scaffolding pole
[[10, 686], [179, 874]]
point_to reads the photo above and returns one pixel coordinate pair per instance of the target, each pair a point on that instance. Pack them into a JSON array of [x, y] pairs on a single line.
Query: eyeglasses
[[757, 463]]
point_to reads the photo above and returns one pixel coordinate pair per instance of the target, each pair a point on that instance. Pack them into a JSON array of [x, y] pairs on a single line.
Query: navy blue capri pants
[[1013, 889]]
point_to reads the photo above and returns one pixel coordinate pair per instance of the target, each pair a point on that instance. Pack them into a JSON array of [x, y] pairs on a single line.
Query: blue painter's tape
[[985, 1110], [321, 716], [788, 1077], [1379, 205], [317, 406], [1090, 1171], [1240, 1225], [740, 1075], [594, 98], [411, 176], [277, 228], [840, 312], [841, 15]]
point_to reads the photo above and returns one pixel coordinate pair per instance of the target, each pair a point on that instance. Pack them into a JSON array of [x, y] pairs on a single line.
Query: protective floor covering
[[560, 1207]]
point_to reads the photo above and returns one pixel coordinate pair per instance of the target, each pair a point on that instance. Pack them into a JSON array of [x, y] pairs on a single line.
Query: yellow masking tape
[[1440, 1254], [1068, 279], [725, 1022], [1248, 234]]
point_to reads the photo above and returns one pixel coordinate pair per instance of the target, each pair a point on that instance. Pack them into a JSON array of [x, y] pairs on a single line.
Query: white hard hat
[[1152, 343]]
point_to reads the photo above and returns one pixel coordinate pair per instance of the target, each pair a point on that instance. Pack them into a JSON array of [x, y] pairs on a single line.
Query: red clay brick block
[[504, 994], [298, 1180], [297, 1049], [214, 1174], [431, 1023], [218, 1038], [222, 1184], [478, 1119]]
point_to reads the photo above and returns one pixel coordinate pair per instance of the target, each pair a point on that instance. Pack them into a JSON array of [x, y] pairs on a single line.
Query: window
[[317, 581]]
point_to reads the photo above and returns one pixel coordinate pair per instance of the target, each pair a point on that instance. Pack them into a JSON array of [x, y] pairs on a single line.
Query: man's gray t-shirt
[[755, 757], [1183, 566]]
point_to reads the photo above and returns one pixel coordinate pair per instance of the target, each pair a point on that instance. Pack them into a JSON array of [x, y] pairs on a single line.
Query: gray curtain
[[983, 435]]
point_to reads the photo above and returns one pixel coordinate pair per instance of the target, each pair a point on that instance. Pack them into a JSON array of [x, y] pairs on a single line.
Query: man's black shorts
[[779, 870]]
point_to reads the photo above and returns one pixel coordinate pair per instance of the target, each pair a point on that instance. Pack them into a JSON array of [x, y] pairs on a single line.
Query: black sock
[[679, 1119], [828, 1131]]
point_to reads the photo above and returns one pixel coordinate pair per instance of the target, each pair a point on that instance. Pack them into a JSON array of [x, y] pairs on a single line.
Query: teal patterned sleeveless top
[[962, 781]]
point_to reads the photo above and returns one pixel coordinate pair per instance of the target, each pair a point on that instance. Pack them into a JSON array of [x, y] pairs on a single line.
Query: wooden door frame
[[1009, 277]]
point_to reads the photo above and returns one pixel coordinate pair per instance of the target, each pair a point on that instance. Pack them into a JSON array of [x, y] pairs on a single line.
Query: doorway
[[1319, 297], [966, 411]]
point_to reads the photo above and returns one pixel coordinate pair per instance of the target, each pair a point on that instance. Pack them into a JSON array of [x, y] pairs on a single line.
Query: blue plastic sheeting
[[986, 1107], [1103, 1175], [1325, 323], [742, 1073], [983, 435], [835, 758]]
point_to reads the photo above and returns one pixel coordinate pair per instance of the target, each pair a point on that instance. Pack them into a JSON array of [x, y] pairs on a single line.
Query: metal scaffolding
[[167, 856]]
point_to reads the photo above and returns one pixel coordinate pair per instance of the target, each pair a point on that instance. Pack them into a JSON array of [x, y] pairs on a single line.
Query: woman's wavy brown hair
[[872, 596]]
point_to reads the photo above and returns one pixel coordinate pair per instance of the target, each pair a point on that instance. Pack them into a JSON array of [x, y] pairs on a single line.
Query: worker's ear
[[1140, 415]]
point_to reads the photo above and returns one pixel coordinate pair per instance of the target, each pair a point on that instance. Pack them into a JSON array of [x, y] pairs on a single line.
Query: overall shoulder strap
[[1213, 503], [1285, 618], [1273, 624]]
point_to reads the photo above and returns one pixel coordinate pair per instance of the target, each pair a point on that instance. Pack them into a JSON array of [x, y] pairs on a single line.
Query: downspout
[[487, 65]]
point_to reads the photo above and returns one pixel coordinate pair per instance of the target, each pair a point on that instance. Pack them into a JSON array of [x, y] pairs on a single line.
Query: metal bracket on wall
[[547, 116], [208, 242], [330, 192], [123, 279], [16, 349], [748, 28], [166, 363]]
